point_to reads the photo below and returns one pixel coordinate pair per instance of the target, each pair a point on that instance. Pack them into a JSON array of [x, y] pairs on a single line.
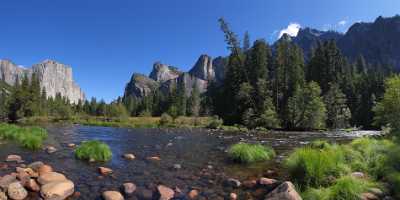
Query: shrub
[[313, 167], [320, 144], [28, 137], [165, 119], [215, 122], [94, 150], [349, 188], [316, 194], [248, 153]]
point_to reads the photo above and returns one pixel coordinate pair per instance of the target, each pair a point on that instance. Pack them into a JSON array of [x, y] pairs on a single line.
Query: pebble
[[193, 194], [14, 158], [105, 170], [234, 182], [129, 188], [165, 192], [50, 149], [233, 196], [112, 195], [129, 156]]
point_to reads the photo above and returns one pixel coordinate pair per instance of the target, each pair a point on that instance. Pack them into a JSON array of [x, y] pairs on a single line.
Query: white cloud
[[292, 30], [342, 23]]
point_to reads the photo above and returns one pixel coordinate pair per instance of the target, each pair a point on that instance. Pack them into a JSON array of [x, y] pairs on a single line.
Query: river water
[[200, 153]]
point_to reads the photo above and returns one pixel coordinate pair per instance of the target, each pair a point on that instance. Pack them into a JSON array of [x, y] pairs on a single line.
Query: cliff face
[[163, 77], [53, 76]]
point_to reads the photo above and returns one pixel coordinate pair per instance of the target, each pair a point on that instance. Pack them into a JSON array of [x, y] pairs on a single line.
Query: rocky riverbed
[[155, 164]]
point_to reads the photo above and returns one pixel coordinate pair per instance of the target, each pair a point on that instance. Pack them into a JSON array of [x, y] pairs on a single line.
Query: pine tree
[[306, 108], [338, 114], [194, 102]]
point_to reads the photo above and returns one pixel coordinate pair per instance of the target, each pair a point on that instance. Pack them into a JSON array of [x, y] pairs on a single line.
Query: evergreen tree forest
[[275, 87]]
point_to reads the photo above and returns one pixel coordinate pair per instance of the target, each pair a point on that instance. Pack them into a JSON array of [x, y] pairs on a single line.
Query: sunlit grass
[[249, 153], [93, 150], [28, 137]]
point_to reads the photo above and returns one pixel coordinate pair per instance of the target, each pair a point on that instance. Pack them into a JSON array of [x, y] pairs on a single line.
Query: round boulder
[[51, 177], [57, 190], [16, 191], [112, 195]]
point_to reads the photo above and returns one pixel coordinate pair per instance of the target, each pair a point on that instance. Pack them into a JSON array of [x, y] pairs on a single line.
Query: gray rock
[[162, 72], [36, 165], [140, 86], [16, 191], [6, 180], [129, 188], [233, 182], [203, 68], [285, 191], [53, 76]]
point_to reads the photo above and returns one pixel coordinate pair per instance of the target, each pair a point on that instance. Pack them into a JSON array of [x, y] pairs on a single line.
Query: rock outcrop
[[164, 77], [162, 73], [53, 76]]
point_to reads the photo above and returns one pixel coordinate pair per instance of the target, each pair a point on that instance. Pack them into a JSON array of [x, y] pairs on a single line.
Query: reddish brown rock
[[32, 185], [45, 169], [165, 192], [233, 196], [193, 194], [51, 177], [105, 170], [267, 181], [57, 190]]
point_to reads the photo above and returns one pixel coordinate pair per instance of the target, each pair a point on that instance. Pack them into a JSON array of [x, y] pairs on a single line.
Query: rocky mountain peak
[[203, 68], [162, 72], [140, 86], [53, 76]]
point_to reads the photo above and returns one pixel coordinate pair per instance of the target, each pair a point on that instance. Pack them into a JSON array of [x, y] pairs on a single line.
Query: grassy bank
[[28, 137], [139, 122], [326, 171]]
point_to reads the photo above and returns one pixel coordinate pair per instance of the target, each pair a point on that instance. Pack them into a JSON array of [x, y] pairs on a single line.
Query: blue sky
[[106, 41]]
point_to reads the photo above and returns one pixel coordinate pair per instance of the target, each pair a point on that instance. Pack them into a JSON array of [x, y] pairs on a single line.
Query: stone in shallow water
[[129, 156], [6, 180], [36, 165], [105, 170], [233, 182], [285, 191], [50, 149], [51, 177], [58, 190], [16, 191], [129, 188], [165, 192], [45, 169], [233, 196], [193, 194], [14, 158], [112, 195]]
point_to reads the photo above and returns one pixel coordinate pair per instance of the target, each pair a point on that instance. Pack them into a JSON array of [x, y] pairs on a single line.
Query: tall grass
[[93, 150], [28, 137], [313, 166], [249, 153]]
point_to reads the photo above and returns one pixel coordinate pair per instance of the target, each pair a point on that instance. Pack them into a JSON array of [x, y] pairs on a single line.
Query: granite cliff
[[163, 77], [53, 76]]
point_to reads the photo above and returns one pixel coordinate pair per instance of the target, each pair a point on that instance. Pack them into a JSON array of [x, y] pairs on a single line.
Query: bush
[[215, 122], [349, 188], [94, 150], [165, 119], [28, 137], [248, 153], [320, 144], [316, 194], [313, 167]]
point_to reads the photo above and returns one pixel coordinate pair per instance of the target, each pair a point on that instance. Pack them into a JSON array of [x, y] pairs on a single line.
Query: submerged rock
[[193, 194], [105, 170], [16, 191], [129, 188], [129, 156], [112, 195], [285, 191], [165, 192], [58, 190], [50, 149]]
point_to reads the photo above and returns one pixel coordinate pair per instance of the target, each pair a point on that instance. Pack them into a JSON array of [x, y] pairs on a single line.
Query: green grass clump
[[28, 137], [316, 194], [93, 150], [320, 144], [344, 188], [349, 188], [249, 153], [314, 167], [215, 122]]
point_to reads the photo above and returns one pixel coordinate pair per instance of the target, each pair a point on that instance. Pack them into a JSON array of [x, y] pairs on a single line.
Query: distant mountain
[[378, 41], [53, 76], [163, 77]]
